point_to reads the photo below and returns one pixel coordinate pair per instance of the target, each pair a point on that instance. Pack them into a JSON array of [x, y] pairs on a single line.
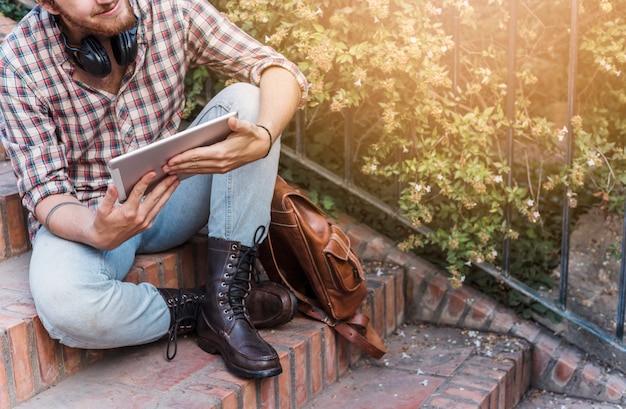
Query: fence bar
[[347, 145], [510, 115], [300, 118], [571, 98], [621, 306]]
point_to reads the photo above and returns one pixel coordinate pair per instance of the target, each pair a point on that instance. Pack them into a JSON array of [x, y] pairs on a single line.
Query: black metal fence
[[581, 331]]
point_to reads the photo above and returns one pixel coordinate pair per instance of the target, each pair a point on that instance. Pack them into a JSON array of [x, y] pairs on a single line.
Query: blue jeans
[[78, 290]]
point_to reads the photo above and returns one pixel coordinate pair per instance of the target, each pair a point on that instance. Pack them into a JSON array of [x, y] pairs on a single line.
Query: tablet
[[127, 169]]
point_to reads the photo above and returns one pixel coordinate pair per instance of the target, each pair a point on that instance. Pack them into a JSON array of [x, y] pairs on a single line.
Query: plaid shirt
[[60, 133]]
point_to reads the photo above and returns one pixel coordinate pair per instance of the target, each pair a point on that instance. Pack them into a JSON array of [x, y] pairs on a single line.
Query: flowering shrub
[[389, 67]]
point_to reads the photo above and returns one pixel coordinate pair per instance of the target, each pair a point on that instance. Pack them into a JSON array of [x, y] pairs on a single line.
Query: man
[[84, 81]]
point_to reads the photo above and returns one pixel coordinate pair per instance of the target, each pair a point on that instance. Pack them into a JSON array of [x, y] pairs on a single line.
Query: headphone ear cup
[[93, 57], [125, 47]]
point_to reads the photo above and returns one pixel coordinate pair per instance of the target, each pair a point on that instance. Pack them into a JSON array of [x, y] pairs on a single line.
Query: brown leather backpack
[[312, 257]]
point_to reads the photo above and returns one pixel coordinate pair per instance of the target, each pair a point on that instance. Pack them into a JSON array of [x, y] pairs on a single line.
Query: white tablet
[[127, 169]]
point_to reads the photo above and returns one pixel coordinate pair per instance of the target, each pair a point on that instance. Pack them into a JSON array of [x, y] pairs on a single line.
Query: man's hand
[[115, 223], [245, 144], [112, 223]]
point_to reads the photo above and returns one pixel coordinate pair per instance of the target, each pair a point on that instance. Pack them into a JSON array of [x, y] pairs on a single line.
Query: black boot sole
[[209, 347]]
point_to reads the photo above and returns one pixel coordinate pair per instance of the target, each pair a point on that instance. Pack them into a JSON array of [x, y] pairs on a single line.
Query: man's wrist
[[270, 136]]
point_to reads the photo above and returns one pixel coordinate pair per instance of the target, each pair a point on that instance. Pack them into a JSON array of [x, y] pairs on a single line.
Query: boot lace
[[184, 309], [246, 267]]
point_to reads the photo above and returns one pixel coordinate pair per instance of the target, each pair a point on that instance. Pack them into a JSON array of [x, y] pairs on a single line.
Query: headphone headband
[[93, 58]]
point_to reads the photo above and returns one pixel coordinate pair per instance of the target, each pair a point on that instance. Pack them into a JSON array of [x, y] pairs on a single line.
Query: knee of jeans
[[64, 310], [245, 99]]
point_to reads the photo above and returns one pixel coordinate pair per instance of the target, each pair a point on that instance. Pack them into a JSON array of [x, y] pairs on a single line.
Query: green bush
[[388, 66]]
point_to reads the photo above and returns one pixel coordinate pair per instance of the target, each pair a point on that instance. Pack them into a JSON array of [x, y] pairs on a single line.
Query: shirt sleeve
[[28, 135], [223, 47]]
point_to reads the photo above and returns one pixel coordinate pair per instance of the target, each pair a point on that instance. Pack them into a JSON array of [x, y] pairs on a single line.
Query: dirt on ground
[[594, 269]]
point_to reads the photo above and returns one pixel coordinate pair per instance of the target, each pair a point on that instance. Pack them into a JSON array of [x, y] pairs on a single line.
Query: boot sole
[[210, 348]]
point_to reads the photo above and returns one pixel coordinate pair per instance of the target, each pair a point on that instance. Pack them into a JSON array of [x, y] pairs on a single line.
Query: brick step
[[426, 367], [32, 362]]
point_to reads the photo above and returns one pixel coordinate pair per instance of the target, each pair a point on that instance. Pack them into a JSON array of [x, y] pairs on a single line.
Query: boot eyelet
[[230, 318], [223, 284], [229, 265], [220, 294]]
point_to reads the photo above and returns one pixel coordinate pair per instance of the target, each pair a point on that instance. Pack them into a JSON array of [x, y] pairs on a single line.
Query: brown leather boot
[[184, 306], [224, 325], [270, 304]]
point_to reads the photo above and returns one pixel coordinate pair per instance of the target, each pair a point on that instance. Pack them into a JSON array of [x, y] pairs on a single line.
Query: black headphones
[[92, 57]]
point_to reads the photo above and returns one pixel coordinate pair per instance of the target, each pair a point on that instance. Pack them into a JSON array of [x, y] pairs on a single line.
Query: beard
[[112, 27]]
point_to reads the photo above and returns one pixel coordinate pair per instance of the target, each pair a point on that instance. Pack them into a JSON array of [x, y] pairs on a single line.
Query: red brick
[[615, 388], [376, 247], [435, 291], [475, 395], [285, 387], [398, 257], [49, 369], [480, 312], [5, 243], [133, 275], [187, 267], [359, 235], [300, 369], [456, 305], [565, 367], [227, 396], [22, 364], [441, 402], [71, 360], [18, 237], [170, 265], [343, 355], [330, 355], [591, 374], [149, 269], [503, 321], [268, 392], [4, 381], [545, 348], [247, 386], [526, 330]]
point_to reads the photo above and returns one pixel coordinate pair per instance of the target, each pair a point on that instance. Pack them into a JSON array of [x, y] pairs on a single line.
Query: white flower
[[591, 162], [319, 11], [427, 189], [405, 149], [425, 382], [357, 82], [267, 39], [536, 214], [376, 20], [498, 179], [440, 177], [418, 188], [444, 48], [413, 40], [373, 167], [530, 202]]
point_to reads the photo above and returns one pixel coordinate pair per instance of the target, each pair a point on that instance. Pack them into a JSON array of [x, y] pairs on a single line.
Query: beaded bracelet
[[271, 139]]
